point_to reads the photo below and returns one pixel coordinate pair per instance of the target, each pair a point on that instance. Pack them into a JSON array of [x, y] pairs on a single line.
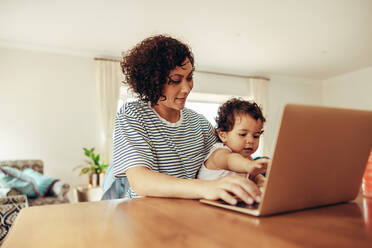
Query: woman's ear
[[222, 135]]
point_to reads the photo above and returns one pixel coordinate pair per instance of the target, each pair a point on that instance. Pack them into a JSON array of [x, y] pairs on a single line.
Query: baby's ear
[[222, 135]]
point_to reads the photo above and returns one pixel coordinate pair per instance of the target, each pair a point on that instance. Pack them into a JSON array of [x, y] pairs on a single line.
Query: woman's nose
[[186, 86]]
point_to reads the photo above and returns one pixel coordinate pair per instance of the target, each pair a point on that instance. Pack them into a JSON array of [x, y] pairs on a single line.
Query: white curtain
[[109, 78], [259, 93]]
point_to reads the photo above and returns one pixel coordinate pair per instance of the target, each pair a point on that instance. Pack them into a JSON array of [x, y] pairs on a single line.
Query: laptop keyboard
[[241, 204]]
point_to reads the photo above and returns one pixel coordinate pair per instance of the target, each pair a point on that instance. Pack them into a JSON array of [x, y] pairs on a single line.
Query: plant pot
[[96, 179], [88, 193]]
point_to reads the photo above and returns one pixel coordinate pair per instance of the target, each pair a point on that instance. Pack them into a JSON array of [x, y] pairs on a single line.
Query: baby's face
[[244, 138]]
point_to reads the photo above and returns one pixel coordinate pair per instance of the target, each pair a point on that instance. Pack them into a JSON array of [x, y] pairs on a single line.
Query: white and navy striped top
[[141, 138]]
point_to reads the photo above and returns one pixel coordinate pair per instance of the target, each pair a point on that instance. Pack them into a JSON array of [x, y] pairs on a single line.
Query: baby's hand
[[256, 167]]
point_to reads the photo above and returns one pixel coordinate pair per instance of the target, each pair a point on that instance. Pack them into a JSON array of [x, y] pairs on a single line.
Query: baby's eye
[[256, 136], [243, 134]]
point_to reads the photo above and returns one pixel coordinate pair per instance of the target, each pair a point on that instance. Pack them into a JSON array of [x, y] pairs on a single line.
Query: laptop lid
[[319, 159]]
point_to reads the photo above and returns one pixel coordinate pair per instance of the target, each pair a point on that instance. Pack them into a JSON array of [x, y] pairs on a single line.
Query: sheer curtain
[[109, 77], [259, 93]]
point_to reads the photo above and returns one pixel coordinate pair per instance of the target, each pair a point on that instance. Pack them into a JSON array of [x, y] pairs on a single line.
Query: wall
[[220, 84], [283, 90], [350, 90], [48, 110]]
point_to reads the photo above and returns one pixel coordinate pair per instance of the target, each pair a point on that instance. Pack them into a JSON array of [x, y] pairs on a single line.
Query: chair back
[[36, 165]]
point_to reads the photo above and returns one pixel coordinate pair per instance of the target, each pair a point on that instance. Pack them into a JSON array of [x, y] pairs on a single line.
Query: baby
[[239, 127]]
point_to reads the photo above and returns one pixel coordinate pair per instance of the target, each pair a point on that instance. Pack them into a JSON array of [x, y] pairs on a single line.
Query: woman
[[159, 145]]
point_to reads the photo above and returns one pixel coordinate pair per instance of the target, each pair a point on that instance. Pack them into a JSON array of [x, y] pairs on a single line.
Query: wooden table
[[156, 222]]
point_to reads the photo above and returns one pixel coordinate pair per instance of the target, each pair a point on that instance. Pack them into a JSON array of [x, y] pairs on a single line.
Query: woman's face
[[177, 88]]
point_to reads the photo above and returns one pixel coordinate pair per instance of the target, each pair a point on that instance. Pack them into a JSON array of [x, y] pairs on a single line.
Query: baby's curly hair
[[235, 106], [146, 67]]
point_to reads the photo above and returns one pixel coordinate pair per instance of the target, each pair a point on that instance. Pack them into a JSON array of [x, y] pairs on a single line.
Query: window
[[209, 110], [207, 105]]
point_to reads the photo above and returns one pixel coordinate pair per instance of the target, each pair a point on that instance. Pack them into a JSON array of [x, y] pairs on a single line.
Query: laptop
[[319, 159]]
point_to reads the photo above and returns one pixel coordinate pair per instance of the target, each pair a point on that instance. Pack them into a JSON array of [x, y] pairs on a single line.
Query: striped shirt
[[141, 138]]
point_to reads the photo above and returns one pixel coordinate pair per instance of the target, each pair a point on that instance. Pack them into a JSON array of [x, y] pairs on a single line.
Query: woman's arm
[[223, 159], [146, 182]]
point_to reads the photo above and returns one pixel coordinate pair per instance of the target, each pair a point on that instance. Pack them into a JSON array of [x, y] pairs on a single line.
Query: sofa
[[10, 206], [38, 166]]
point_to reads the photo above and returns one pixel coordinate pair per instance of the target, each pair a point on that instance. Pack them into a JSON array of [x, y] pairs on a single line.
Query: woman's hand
[[260, 181], [231, 187], [256, 167]]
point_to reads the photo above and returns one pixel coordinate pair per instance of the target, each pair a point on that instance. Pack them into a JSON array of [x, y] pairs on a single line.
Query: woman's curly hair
[[146, 67], [235, 106]]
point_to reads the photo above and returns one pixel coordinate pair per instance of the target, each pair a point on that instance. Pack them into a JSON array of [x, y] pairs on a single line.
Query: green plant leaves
[[96, 159], [93, 163], [84, 170]]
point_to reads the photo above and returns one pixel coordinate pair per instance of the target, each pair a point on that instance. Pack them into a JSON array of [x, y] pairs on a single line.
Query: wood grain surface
[[162, 222]]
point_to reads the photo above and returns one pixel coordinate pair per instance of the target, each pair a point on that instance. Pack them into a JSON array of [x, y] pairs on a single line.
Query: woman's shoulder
[[134, 109], [189, 113], [197, 119]]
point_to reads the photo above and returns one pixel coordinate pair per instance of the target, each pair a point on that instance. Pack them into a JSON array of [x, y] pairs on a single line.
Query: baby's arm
[[227, 160]]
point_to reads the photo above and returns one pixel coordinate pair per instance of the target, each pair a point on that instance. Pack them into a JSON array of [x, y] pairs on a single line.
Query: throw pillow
[[28, 181]]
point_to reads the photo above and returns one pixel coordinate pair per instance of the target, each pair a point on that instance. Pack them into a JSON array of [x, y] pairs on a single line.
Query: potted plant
[[93, 167]]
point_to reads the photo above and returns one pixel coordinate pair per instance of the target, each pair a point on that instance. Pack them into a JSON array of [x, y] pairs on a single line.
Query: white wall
[[48, 110], [220, 84], [350, 90], [283, 90]]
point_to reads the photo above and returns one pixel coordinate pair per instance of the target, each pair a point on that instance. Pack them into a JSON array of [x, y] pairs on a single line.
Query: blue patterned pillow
[[27, 181]]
